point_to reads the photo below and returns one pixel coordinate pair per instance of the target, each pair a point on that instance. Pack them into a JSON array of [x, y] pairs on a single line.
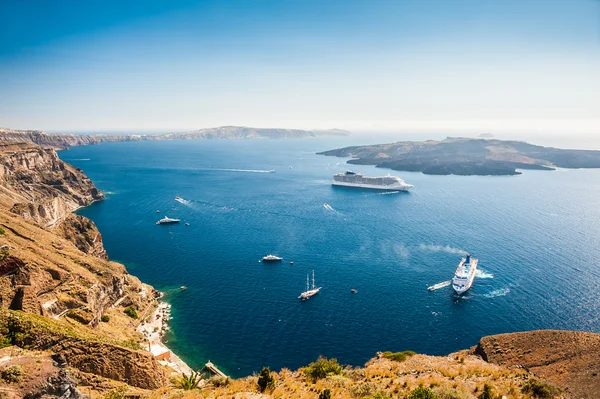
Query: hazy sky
[[361, 65]]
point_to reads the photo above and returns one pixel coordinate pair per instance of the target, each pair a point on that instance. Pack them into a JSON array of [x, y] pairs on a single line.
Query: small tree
[[105, 318], [265, 379], [322, 368], [189, 382]]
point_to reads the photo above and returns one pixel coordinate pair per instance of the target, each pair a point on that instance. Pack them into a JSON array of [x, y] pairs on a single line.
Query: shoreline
[[153, 329]]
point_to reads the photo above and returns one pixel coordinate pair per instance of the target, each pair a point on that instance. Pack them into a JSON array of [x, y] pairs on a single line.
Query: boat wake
[[78, 159], [389, 192], [328, 207], [483, 274], [439, 285], [182, 201], [442, 248], [247, 170], [497, 293]]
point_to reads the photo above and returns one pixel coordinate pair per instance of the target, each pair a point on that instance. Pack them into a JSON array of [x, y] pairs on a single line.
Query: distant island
[[62, 141], [466, 156]]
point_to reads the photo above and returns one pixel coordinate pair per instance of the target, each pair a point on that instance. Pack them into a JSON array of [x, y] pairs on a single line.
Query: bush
[[2, 232], [118, 393], [422, 393], [265, 379], [487, 393], [398, 356], [12, 373], [188, 382], [131, 312], [538, 389], [449, 393], [218, 381], [322, 368], [326, 394], [105, 318]]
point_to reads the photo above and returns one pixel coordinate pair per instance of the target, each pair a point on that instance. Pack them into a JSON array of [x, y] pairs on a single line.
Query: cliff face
[[53, 265], [57, 141]]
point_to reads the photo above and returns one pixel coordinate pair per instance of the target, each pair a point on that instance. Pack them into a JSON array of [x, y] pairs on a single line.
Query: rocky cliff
[[55, 280]]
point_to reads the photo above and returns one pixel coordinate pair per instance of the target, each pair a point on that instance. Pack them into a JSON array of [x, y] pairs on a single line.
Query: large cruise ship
[[464, 275], [351, 179]]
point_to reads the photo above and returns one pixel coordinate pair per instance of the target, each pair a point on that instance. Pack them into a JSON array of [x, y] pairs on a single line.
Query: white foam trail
[[389, 192], [328, 207], [497, 293], [247, 170], [483, 274], [442, 248], [439, 285], [182, 201], [78, 159]]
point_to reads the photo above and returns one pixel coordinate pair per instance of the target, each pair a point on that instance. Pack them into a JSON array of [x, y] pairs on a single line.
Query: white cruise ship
[[389, 182], [464, 275]]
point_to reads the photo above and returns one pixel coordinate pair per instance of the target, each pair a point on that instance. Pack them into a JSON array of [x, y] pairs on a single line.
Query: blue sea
[[536, 236]]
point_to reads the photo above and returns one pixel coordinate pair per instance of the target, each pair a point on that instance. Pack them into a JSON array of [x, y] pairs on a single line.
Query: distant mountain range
[[63, 141], [465, 156]]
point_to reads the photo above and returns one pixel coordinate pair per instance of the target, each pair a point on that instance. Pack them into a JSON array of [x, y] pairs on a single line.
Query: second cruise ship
[[389, 182]]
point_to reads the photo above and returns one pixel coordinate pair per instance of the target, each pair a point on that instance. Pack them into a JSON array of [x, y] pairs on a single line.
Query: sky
[[426, 65]]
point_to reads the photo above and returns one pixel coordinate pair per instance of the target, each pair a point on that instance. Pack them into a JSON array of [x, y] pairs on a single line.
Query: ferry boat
[[389, 182], [168, 220], [465, 274], [310, 291], [271, 258]]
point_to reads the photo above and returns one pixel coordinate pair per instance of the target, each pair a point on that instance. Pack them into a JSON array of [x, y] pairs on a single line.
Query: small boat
[[183, 287], [187, 223], [168, 220], [157, 211], [465, 274], [353, 291], [292, 262], [310, 291], [271, 258]]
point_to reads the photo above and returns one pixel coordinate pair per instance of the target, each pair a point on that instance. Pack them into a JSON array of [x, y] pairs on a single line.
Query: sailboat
[[310, 292]]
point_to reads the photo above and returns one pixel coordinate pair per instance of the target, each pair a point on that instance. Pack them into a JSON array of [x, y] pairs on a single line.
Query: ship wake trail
[[497, 293], [329, 207], [442, 248], [246, 170], [437, 286], [389, 192], [483, 274]]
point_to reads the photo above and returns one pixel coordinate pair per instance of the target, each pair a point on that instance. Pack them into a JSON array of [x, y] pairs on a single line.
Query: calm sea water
[[536, 236]]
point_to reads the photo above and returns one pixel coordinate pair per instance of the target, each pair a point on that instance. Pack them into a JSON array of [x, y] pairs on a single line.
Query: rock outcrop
[[569, 359]]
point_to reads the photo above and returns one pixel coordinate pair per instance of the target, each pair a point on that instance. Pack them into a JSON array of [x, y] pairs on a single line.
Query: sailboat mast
[[313, 280], [307, 286]]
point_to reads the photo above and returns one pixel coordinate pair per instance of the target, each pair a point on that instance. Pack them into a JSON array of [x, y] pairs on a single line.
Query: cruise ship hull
[[465, 275], [391, 187]]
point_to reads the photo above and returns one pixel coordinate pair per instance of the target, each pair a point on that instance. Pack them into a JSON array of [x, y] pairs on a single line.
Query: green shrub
[[131, 312], [538, 389], [487, 393], [265, 379], [398, 356], [326, 394], [219, 381], [189, 382], [118, 393], [12, 373], [422, 393], [105, 318], [2, 232], [322, 368]]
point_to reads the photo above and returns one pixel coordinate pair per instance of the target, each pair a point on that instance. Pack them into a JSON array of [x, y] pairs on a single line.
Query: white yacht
[[310, 291], [168, 220], [464, 275], [271, 258], [389, 182]]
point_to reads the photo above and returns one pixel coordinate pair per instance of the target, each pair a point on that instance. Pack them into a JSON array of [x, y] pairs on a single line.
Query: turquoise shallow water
[[536, 237]]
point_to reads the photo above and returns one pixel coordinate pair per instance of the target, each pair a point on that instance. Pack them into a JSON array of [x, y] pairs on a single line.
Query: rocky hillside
[[464, 156], [63, 141]]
